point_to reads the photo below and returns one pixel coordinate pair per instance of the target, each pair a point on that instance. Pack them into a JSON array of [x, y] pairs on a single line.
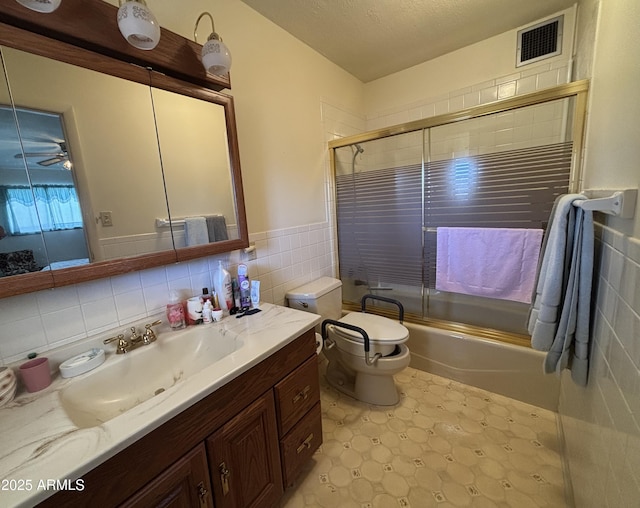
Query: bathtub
[[443, 306], [506, 369]]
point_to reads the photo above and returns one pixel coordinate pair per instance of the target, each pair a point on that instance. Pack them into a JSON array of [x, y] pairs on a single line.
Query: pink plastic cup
[[35, 374]]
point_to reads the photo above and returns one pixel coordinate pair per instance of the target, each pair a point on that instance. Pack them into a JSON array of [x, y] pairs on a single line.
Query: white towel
[[195, 231], [491, 262], [560, 313]]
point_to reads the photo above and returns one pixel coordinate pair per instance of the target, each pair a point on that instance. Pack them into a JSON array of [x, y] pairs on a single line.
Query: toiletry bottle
[[255, 294], [206, 297], [175, 312], [206, 312], [245, 291], [222, 285], [236, 295]]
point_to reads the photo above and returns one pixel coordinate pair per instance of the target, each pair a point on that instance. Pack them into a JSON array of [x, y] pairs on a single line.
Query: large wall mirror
[[106, 167]]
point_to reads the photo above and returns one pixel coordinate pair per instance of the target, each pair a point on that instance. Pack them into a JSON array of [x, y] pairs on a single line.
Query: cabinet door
[[185, 484], [244, 458]]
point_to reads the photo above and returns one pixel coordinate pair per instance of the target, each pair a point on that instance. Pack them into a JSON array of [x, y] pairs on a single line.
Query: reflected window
[[56, 208]]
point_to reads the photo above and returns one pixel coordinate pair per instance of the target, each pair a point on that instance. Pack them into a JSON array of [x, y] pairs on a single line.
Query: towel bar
[[620, 203], [165, 223]]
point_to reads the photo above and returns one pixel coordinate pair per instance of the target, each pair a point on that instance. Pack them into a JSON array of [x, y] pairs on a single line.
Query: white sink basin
[[126, 380]]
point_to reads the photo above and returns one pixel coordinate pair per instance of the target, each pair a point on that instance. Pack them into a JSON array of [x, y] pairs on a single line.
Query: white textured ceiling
[[373, 38]]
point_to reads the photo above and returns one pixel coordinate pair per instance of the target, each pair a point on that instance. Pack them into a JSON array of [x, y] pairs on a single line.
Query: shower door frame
[[577, 89]]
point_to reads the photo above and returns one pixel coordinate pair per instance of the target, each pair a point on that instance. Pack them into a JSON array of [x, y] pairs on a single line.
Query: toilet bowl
[[366, 376]]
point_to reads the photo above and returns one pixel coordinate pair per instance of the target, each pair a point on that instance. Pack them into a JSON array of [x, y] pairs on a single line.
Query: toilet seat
[[384, 334]]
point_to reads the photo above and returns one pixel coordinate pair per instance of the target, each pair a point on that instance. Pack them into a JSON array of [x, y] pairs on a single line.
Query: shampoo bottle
[[222, 285]]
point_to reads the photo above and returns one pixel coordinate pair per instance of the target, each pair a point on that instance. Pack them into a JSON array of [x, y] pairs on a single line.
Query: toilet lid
[[379, 329]]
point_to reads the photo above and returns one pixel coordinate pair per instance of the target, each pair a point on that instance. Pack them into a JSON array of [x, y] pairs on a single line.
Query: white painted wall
[[612, 155], [278, 83]]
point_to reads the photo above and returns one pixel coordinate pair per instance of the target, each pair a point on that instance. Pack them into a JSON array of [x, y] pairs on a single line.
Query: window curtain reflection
[[56, 207]]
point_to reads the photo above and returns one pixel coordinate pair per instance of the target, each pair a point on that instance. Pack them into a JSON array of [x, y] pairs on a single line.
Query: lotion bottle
[[222, 285]]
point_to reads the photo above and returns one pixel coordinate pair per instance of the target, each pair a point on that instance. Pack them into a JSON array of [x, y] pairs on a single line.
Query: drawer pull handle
[[224, 477], [302, 394], [202, 494], [305, 444]]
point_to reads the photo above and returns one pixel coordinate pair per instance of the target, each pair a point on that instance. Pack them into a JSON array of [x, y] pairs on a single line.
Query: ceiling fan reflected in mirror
[[50, 158]]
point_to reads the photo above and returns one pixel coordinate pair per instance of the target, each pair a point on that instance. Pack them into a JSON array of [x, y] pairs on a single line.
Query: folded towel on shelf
[[560, 313], [491, 262], [195, 231], [217, 228]]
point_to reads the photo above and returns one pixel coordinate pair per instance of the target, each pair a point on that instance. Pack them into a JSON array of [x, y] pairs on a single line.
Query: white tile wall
[[532, 126], [529, 79], [46, 319], [601, 422]]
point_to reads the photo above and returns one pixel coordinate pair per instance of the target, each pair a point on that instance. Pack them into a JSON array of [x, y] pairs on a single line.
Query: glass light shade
[[45, 6], [216, 57], [138, 25]]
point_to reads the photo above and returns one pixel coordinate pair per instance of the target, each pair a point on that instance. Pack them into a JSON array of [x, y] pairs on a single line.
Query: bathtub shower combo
[[499, 165]]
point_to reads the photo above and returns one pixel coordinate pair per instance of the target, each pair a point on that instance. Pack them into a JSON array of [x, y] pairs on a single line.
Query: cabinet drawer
[[300, 444], [296, 394]]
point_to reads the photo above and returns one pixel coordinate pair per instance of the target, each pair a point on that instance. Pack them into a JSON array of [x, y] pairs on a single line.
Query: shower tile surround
[[529, 79]]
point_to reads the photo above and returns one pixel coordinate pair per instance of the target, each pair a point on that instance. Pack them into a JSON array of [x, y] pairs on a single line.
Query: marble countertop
[[41, 449]]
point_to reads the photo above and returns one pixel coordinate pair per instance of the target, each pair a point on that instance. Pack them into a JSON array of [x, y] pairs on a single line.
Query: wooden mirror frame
[[85, 33]]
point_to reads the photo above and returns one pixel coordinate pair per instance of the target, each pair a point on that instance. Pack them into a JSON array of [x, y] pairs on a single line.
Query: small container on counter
[[194, 310], [35, 374]]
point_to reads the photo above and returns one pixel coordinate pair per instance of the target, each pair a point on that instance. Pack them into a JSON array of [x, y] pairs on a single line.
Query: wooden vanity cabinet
[[244, 458], [185, 483], [228, 450], [299, 417]]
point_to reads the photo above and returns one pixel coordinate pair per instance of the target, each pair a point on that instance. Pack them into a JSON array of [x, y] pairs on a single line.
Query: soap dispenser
[[175, 312]]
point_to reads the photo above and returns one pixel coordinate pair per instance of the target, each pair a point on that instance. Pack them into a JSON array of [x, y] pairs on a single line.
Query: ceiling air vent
[[540, 41]]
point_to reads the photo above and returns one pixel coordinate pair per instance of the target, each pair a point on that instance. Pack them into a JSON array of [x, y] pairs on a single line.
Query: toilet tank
[[322, 296]]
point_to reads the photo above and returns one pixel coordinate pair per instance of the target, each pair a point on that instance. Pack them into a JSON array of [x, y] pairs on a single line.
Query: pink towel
[[492, 262]]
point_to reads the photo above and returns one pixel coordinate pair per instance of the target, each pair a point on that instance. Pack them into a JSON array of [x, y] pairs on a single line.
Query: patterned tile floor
[[444, 445]]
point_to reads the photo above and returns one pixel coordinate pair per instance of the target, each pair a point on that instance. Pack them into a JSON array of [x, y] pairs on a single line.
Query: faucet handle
[[123, 345], [111, 339], [149, 335], [135, 336]]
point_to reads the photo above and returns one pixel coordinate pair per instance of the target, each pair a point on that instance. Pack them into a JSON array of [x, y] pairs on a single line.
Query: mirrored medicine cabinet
[[106, 166]]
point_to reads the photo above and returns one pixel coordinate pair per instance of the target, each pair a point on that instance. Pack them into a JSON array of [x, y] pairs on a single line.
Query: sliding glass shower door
[[379, 219], [498, 171], [393, 192]]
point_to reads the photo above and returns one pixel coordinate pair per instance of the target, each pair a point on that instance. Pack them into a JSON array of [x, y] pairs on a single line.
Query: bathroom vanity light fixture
[[138, 25], [45, 6], [216, 57]]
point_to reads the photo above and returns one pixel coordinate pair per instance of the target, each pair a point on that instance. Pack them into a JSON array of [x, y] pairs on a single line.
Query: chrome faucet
[[136, 340]]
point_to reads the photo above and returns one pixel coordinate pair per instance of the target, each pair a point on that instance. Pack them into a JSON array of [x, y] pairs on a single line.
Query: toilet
[[365, 377]]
